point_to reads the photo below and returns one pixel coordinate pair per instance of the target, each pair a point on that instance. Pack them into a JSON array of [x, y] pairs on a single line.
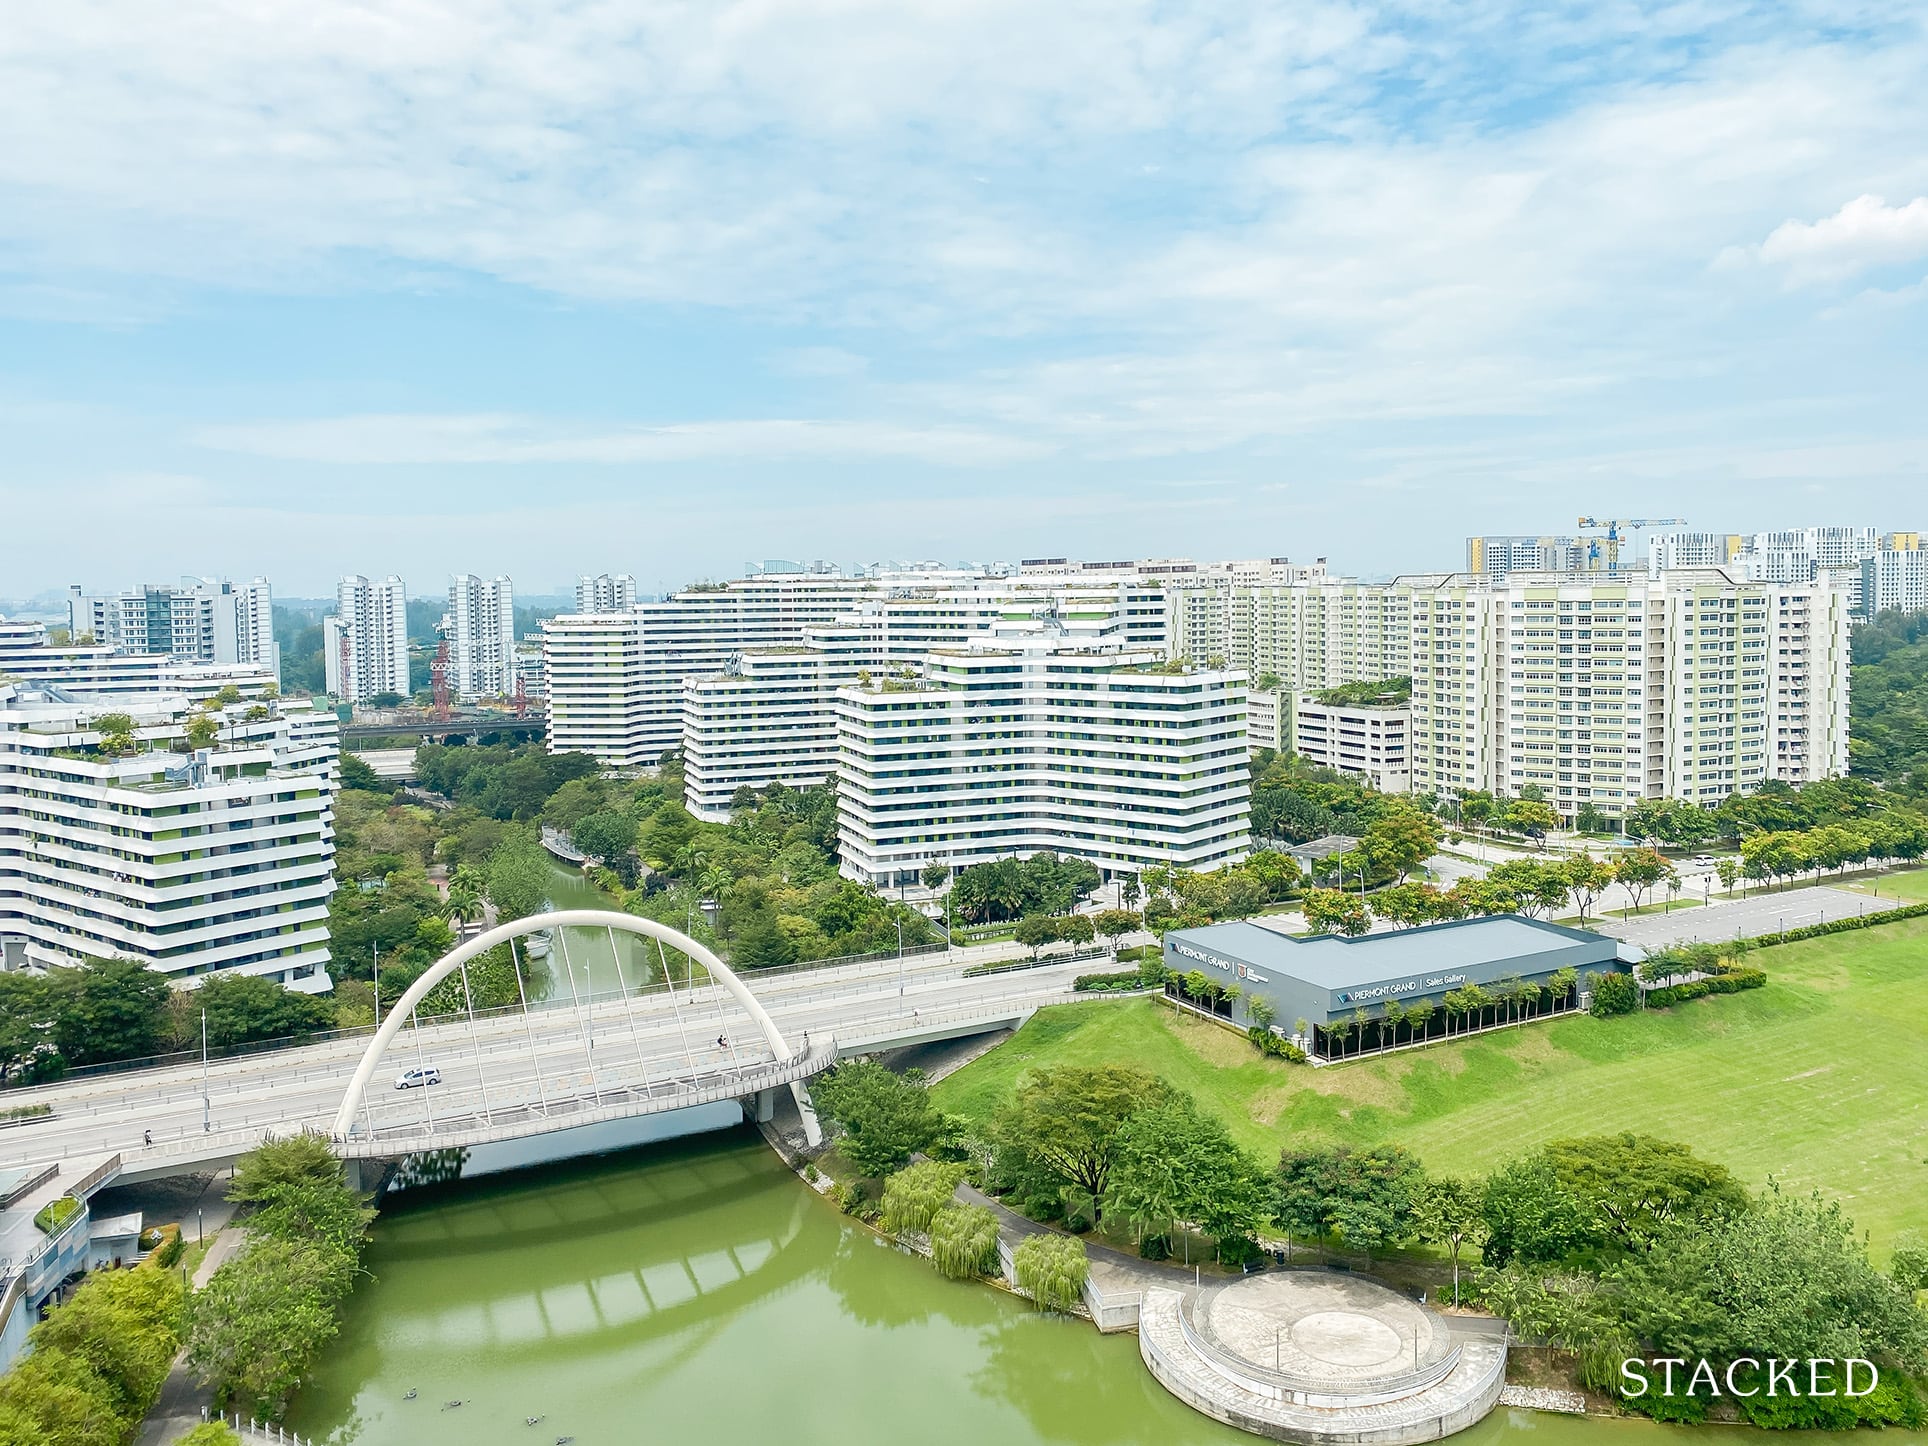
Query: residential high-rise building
[[616, 681], [1604, 690], [605, 593], [1012, 746], [28, 654], [129, 842], [480, 627], [203, 620], [1896, 578], [365, 641], [1371, 740], [1499, 555]]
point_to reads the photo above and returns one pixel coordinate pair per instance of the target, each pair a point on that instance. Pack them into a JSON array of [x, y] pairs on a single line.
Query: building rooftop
[[1331, 961]]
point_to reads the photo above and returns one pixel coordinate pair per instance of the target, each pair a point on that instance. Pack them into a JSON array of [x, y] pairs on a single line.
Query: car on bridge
[[410, 1079]]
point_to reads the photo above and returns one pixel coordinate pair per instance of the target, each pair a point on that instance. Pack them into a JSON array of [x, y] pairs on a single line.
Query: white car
[[410, 1079], [1703, 861]]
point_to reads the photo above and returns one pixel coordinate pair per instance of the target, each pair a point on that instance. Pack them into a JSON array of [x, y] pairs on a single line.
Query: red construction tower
[[438, 673]]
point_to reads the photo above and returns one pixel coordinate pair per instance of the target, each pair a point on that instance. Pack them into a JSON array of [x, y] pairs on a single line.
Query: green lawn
[[1820, 1079], [1911, 885]]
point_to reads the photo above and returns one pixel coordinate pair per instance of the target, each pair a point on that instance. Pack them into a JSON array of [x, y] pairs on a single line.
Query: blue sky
[[306, 288]]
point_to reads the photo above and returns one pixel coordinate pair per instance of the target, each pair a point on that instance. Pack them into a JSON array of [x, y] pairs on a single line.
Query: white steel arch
[[450, 962]]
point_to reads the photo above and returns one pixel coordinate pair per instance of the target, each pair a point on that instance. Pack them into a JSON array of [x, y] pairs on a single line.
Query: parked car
[[410, 1079]]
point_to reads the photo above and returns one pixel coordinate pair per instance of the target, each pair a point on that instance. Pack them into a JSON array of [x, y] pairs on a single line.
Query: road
[[558, 1050], [1744, 918]]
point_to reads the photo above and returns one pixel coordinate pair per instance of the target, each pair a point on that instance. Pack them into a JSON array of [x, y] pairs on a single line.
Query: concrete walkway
[[184, 1399]]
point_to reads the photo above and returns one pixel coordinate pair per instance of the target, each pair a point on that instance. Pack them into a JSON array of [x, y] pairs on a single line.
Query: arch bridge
[[572, 1055]]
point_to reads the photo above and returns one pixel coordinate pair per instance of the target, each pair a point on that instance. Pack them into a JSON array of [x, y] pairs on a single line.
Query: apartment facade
[[219, 859], [1372, 742], [28, 654], [1693, 685], [1110, 754], [203, 620], [480, 627], [365, 641], [1896, 578], [605, 593]]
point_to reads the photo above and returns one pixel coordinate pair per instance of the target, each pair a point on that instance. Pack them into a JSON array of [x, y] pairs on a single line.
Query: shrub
[[1106, 983], [97, 1362], [1238, 1251], [1266, 1042], [167, 1249], [210, 1433], [1613, 994], [1842, 926], [1052, 1269], [913, 1196], [56, 1213], [964, 1241], [26, 1112]]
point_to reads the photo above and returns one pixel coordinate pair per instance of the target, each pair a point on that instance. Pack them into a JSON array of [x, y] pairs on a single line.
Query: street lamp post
[[378, 986], [900, 957], [207, 1108]]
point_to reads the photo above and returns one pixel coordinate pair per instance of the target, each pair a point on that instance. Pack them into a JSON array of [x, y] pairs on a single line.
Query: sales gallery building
[[1329, 981]]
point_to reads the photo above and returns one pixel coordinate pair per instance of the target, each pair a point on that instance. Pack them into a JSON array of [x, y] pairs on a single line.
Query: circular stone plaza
[[1320, 1357]]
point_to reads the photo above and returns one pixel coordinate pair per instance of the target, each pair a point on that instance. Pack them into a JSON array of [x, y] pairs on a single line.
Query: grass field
[[1911, 885], [1819, 1080]]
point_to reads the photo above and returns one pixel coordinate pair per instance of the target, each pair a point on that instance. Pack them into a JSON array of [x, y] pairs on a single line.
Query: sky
[[307, 287]]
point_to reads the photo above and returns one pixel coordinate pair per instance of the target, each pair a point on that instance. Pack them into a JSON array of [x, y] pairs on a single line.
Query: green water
[[699, 1292]]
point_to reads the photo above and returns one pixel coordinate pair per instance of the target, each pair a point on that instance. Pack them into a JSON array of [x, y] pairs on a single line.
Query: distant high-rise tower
[[481, 635], [365, 642], [201, 621], [604, 593]]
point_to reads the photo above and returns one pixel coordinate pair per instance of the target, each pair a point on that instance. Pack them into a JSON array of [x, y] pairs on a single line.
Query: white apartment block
[[1268, 718], [219, 859], [1669, 550], [1373, 742], [365, 641], [616, 681], [27, 654], [1011, 749], [1896, 578], [1601, 690], [201, 621], [1502, 554], [1310, 634], [605, 593], [480, 627]]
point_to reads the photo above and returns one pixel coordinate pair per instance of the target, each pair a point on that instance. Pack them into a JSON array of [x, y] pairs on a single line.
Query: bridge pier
[[766, 1106]]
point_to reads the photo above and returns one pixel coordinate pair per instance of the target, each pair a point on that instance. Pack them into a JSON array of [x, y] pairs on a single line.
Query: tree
[[202, 731], [761, 943], [1401, 838], [1364, 1197], [1062, 1124], [126, 1326], [1530, 816], [108, 1009], [1034, 931], [1052, 1269], [1407, 905], [1729, 869], [885, 1117], [260, 1322], [1638, 870], [1175, 1164], [964, 1241], [242, 1008], [914, 1195], [1770, 856], [1077, 929], [1114, 924], [1333, 911], [935, 876], [605, 834], [518, 876], [1448, 1211], [1908, 1261], [1586, 878]]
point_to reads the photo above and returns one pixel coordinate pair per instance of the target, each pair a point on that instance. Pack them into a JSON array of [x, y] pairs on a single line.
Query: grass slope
[[1820, 1079]]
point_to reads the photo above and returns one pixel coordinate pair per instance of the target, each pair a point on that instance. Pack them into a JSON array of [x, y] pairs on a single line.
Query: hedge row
[[1841, 926], [1124, 979], [1276, 1044], [1731, 982]]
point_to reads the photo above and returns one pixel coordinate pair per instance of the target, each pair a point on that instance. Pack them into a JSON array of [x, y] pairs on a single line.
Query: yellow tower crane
[[1617, 530]]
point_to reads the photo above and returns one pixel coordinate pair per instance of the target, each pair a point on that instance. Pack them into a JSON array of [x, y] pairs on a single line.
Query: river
[[697, 1291]]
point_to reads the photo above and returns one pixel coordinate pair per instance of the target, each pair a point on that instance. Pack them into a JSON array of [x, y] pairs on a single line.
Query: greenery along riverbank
[[1607, 1246]]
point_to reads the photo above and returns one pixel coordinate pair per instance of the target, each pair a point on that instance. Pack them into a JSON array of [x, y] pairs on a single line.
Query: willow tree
[[1052, 1269], [964, 1241]]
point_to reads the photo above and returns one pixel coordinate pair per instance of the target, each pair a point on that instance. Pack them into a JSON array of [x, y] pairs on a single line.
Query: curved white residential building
[[1112, 755], [220, 859]]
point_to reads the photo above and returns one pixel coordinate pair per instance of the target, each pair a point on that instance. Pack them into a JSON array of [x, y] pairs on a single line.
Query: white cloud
[[1866, 232], [415, 439]]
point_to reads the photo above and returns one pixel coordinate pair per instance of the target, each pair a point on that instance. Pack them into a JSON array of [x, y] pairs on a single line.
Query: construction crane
[[1617, 530]]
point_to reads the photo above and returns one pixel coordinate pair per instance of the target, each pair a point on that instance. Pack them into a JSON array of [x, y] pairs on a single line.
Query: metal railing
[[1436, 1361], [263, 1432]]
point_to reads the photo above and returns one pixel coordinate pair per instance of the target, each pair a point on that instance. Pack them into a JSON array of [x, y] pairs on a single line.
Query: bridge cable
[[428, 1110], [475, 1044], [728, 1038], [676, 1009], [642, 1065], [588, 1030], [529, 1027]]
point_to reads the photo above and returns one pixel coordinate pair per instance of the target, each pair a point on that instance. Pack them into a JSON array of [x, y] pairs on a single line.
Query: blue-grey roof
[[1331, 961]]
